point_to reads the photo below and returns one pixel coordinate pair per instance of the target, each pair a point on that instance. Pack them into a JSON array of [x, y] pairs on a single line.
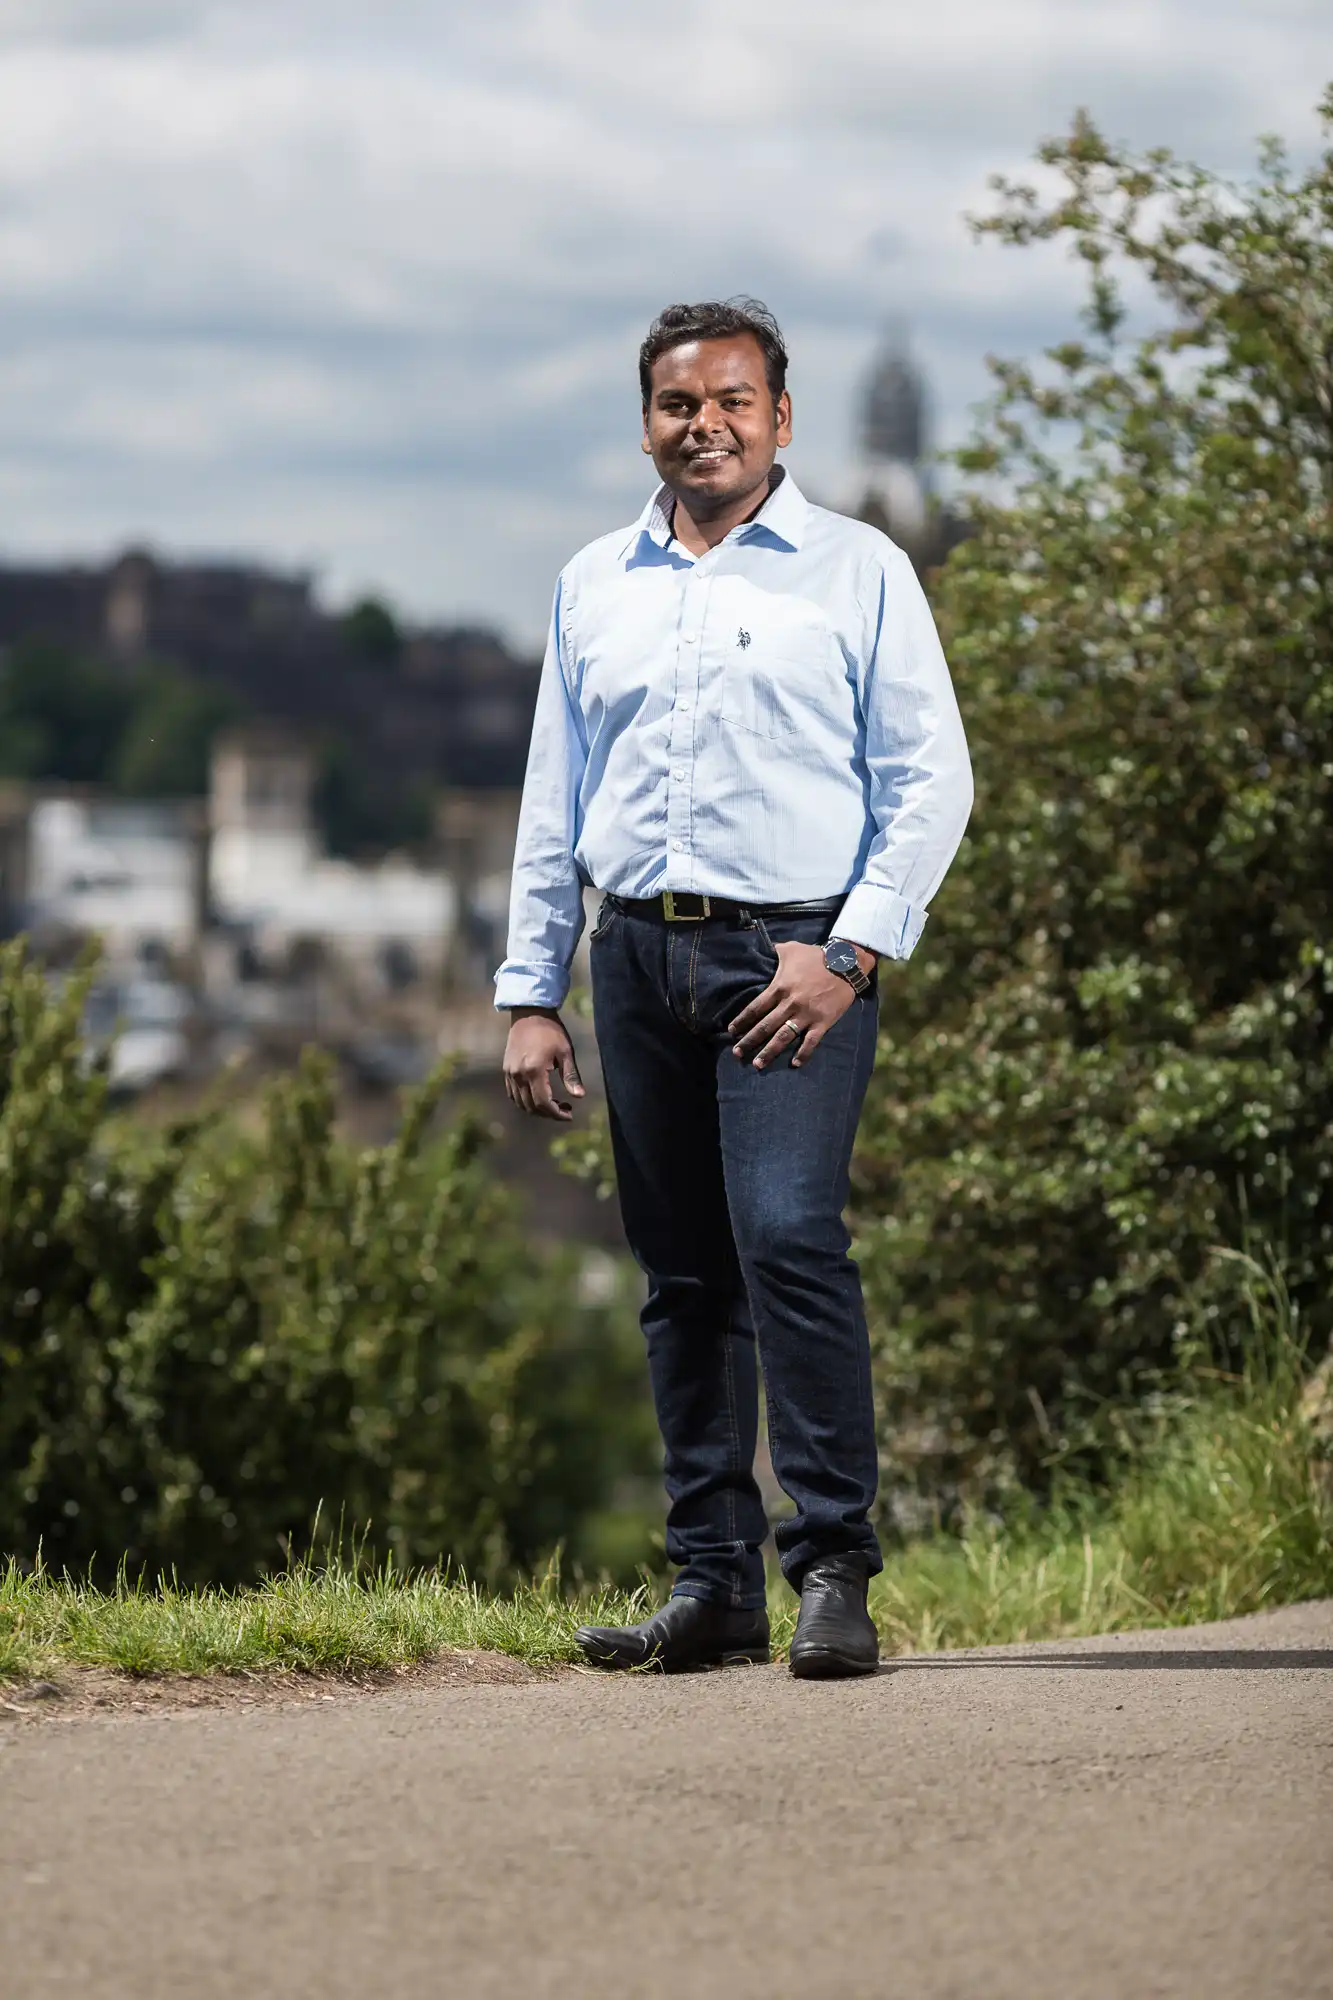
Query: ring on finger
[[792, 1028]]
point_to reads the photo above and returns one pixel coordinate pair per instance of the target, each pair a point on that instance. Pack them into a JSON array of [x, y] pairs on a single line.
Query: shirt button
[[688, 638], [678, 846], [679, 776], [684, 707]]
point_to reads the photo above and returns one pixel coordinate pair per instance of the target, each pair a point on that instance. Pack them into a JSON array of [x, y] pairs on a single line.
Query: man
[[747, 739]]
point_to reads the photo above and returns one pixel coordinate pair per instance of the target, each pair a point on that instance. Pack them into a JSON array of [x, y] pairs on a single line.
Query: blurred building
[[223, 923], [15, 845], [892, 483], [339, 715], [153, 878], [284, 903], [130, 871], [477, 831], [73, 866], [438, 706]]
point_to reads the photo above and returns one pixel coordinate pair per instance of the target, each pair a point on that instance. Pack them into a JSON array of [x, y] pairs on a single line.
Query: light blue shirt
[[772, 721]]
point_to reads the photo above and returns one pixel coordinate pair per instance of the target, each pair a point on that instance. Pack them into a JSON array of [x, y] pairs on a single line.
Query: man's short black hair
[[715, 319]]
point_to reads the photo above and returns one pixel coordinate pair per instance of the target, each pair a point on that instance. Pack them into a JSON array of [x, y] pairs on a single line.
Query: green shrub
[[208, 1336], [1116, 1047]]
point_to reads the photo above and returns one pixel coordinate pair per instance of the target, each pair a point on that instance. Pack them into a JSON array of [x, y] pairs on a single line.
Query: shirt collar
[[782, 518]]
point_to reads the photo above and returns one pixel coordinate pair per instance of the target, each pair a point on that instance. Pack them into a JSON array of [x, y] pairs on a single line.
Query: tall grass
[[1225, 1511], [1224, 1506], [334, 1618]]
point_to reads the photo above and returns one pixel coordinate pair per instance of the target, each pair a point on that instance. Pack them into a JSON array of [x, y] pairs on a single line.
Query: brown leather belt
[[683, 906]]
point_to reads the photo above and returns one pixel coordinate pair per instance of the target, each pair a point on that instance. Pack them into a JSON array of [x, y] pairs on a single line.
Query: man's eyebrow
[[727, 389]]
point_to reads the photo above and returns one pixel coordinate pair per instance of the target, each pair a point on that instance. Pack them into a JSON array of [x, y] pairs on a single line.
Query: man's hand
[[538, 1044], [802, 991]]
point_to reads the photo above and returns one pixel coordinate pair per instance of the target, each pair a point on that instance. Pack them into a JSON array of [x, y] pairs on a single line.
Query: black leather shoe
[[687, 1633], [835, 1634]]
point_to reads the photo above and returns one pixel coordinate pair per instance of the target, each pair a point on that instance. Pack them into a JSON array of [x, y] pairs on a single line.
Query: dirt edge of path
[[83, 1691]]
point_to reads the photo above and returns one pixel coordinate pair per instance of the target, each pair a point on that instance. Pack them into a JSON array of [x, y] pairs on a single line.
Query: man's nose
[[707, 418]]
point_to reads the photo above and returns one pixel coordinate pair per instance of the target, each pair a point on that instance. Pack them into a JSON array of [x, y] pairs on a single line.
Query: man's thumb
[[569, 1072]]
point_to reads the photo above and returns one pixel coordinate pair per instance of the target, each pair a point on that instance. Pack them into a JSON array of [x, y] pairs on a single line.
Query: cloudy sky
[[356, 285]]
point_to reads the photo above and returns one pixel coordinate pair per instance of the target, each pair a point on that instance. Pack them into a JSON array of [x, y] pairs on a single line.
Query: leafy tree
[[371, 630], [143, 730], [61, 716], [163, 751], [362, 810], [1115, 1051]]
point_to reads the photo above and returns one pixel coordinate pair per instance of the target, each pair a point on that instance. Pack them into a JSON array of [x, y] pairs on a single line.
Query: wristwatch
[[840, 957]]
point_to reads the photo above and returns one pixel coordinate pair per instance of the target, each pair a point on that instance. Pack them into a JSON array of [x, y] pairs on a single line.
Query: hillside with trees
[[119, 678]]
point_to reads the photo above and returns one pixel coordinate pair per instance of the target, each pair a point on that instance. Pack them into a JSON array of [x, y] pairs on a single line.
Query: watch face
[[839, 956]]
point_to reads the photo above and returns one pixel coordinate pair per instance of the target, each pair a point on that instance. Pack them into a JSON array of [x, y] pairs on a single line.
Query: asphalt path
[[1145, 1815]]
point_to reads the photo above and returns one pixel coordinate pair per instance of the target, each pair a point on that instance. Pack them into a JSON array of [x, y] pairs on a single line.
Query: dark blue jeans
[[732, 1186]]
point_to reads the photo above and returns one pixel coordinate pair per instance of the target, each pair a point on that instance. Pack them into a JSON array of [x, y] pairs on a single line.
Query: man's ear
[[644, 445]]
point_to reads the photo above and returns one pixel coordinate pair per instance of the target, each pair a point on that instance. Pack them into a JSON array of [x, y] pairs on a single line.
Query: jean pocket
[[762, 934], [606, 916], [812, 929]]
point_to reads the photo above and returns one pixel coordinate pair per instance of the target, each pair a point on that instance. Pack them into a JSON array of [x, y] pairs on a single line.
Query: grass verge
[[1225, 1508]]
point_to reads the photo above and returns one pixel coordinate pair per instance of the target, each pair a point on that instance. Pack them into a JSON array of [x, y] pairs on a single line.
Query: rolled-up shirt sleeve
[[546, 894], [920, 789]]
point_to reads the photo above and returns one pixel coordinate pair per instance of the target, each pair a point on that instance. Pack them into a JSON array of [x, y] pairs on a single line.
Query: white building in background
[[269, 880], [131, 874], [152, 879], [223, 922], [127, 870]]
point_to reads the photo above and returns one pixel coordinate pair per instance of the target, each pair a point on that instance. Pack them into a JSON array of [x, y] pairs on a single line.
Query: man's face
[[711, 425]]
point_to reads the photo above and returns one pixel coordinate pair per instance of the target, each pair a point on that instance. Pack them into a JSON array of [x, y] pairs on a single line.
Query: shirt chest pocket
[[778, 677]]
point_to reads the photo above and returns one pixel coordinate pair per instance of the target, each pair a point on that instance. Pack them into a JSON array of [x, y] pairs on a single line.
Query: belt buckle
[[670, 914]]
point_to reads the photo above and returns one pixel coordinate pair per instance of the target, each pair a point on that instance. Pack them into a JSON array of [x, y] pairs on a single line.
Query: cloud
[[94, 23], [362, 287]]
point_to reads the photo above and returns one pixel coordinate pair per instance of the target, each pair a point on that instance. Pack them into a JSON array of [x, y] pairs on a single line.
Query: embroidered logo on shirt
[[742, 638]]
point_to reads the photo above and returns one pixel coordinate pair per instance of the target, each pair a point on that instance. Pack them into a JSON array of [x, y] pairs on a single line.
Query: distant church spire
[[893, 415], [893, 478]]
